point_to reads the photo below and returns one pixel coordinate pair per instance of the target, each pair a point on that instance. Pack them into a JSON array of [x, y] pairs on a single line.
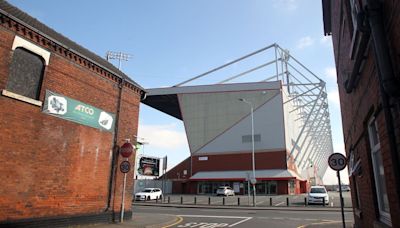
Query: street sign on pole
[[337, 162], [125, 167]]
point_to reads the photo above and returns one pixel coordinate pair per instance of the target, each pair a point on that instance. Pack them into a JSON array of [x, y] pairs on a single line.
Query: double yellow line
[[180, 219]]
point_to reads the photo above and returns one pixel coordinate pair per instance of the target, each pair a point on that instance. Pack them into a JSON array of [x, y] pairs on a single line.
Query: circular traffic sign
[[125, 166], [337, 161], [126, 150]]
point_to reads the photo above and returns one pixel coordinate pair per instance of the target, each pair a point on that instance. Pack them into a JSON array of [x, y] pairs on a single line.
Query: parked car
[[317, 194], [225, 191], [149, 194]]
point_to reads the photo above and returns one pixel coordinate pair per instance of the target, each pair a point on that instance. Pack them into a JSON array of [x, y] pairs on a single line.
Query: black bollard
[[169, 200], [270, 201], [181, 200], [305, 201], [223, 201], [195, 200], [238, 201], [209, 200], [287, 201]]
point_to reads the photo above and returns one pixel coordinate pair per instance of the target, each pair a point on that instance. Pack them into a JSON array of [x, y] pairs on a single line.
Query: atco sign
[[337, 161]]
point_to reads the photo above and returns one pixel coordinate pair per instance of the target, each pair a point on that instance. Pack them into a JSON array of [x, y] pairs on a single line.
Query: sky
[[171, 41]]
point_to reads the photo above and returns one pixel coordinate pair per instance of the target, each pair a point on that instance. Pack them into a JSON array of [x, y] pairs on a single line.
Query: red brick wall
[[54, 167], [283, 188], [176, 173], [243, 161], [358, 107]]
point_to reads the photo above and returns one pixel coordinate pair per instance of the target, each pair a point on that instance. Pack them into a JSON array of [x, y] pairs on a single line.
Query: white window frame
[[22, 43], [375, 149]]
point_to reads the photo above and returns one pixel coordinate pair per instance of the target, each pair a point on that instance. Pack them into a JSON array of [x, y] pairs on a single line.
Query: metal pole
[[341, 199], [248, 192], [123, 200], [252, 153]]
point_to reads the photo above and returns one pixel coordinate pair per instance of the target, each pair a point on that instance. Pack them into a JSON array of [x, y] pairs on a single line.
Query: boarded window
[[247, 138], [26, 72]]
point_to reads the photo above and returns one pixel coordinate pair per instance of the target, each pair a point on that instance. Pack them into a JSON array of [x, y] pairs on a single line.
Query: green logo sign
[[76, 111]]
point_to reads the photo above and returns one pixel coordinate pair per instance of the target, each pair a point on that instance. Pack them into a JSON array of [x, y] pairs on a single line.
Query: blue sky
[[171, 41]]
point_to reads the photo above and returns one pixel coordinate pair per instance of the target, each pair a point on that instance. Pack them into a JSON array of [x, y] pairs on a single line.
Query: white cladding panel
[[208, 115], [268, 123]]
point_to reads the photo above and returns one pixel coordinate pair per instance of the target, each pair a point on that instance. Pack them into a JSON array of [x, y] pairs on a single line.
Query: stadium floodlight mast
[[118, 55], [253, 180]]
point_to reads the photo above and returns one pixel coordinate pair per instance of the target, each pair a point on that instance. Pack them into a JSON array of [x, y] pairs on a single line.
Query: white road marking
[[244, 219], [278, 204], [213, 216], [234, 224], [260, 202]]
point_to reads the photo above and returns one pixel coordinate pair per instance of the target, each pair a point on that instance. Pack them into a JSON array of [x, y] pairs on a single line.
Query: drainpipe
[[115, 147], [389, 85], [389, 82]]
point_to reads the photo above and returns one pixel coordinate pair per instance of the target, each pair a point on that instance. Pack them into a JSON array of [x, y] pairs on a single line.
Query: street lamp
[[253, 180]]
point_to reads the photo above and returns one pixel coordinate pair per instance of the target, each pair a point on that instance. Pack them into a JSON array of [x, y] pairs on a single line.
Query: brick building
[[64, 112], [366, 43]]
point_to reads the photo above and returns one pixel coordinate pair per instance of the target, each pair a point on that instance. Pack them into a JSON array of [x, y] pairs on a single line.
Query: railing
[[244, 200]]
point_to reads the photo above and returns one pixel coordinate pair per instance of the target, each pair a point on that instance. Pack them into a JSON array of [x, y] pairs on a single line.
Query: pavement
[[146, 220]]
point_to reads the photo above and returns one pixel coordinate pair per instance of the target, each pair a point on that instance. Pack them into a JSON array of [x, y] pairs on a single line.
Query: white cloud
[[330, 72], [288, 5], [305, 42], [333, 97], [163, 136]]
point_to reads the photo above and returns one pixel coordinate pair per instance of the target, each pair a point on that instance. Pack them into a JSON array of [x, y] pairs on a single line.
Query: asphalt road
[[241, 218]]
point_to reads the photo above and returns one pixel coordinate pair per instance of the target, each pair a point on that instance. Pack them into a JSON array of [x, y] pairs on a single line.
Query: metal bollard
[[195, 200], [305, 201], [181, 200], [169, 200], [209, 200], [270, 201], [223, 201], [156, 200], [287, 201], [238, 201], [323, 201]]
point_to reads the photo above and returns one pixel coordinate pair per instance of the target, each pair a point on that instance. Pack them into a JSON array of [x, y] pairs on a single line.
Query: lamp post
[[253, 180]]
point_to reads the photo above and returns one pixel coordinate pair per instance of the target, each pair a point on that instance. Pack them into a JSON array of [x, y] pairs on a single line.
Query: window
[[355, 174], [379, 174], [26, 72]]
